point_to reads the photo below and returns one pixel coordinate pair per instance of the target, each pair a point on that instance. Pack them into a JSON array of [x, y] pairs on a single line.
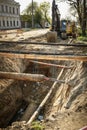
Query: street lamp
[[32, 16]]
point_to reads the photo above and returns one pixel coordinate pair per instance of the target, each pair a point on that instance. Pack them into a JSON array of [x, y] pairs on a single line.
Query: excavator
[[64, 28]]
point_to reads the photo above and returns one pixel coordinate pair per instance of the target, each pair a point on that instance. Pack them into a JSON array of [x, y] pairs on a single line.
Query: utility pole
[[53, 15], [32, 16]]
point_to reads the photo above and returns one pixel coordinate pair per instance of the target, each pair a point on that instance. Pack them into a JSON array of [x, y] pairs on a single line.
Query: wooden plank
[[44, 57]]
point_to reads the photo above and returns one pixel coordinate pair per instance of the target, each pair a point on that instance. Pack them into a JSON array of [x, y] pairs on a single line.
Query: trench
[[25, 94], [20, 99]]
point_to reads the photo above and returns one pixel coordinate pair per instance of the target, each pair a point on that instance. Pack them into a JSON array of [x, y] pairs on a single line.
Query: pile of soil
[[68, 110]]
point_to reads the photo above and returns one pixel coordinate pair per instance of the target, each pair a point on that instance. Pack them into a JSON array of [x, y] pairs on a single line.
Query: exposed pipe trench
[[44, 100], [18, 91]]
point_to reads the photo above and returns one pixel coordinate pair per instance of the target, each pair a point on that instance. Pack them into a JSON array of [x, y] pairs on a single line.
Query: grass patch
[[81, 38], [37, 126]]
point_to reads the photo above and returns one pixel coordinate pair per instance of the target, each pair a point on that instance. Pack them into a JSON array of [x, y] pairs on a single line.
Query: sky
[[63, 7]]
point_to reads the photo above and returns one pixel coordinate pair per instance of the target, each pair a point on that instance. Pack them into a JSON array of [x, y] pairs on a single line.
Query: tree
[[45, 6], [28, 9], [41, 13], [38, 17]]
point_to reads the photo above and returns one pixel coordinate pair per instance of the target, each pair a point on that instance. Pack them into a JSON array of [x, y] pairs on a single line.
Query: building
[[9, 14]]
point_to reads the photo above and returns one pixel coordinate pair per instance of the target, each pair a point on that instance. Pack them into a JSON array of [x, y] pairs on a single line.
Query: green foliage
[[28, 10], [81, 38], [38, 16], [40, 13], [79, 32], [45, 7], [37, 126], [25, 18]]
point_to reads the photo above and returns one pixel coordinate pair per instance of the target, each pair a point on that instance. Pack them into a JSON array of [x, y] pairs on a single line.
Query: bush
[[81, 38]]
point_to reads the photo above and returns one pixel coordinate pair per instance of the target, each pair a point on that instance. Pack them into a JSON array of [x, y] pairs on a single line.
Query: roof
[[9, 2]]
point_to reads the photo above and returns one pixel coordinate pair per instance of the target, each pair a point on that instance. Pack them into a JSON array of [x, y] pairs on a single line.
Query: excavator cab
[[63, 26]]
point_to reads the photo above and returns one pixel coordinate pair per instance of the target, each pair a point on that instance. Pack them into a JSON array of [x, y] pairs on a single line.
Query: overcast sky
[[63, 7]]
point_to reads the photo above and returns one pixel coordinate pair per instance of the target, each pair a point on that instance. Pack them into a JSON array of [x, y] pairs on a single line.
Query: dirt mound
[[10, 91], [69, 108]]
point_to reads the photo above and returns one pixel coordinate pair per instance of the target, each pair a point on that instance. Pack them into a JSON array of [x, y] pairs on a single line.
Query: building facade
[[9, 14]]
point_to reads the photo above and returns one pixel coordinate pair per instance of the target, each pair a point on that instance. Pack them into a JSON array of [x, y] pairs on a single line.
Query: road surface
[[22, 35]]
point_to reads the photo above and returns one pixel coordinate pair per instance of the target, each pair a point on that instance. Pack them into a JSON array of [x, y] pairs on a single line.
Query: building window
[[4, 23], [14, 23], [17, 23], [2, 8], [7, 23], [6, 8], [9, 9], [11, 23], [17, 11], [0, 23], [13, 10]]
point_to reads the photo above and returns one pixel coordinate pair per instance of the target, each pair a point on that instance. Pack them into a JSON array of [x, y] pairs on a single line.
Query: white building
[[9, 14]]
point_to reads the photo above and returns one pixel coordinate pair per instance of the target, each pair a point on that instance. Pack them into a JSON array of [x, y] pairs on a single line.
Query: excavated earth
[[67, 107]]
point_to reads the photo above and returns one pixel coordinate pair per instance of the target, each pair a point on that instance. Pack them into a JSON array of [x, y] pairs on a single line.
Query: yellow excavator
[[64, 28]]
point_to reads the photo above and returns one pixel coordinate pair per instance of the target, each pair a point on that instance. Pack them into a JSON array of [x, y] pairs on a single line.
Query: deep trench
[[31, 92]]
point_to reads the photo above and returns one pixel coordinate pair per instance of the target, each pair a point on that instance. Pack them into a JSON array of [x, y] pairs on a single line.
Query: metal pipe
[[40, 53], [41, 43], [32, 15], [49, 64]]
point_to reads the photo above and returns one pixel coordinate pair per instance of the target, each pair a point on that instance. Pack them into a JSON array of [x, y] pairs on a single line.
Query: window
[[13, 10], [6, 8], [14, 23], [7, 23], [4, 23], [0, 23], [2, 8], [9, 9], [11, 23], [17, 23], [17, 11]]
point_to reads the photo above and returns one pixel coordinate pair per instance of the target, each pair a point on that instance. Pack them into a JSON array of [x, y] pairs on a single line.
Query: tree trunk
[[79, 13], [84, 18]]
